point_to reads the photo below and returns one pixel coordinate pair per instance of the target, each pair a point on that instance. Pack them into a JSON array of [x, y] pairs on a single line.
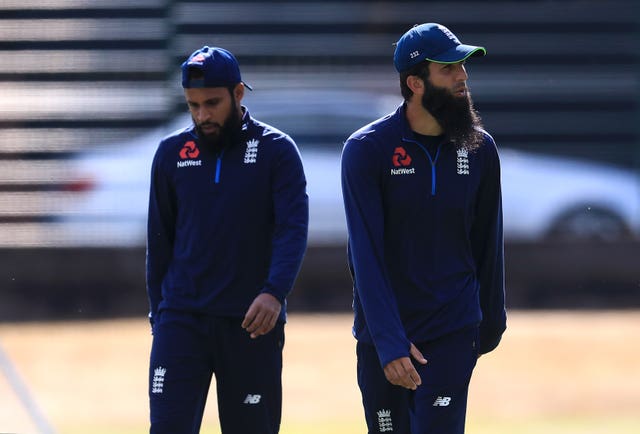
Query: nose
[[202, 114], [462, 72]]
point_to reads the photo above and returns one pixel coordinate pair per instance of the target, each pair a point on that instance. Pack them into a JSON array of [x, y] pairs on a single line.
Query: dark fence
[[97, 283]]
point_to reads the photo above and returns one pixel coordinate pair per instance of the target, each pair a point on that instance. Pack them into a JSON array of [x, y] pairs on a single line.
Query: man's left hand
[[262, 315]]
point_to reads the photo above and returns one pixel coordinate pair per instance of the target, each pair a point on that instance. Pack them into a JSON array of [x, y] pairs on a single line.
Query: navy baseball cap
[[432, 42], [218, 66]]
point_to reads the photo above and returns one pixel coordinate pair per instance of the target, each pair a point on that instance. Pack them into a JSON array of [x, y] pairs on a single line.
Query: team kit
[[227, 232]]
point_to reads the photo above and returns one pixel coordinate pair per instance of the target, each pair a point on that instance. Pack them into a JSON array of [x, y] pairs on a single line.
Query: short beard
[[227, 132], [457, 117]]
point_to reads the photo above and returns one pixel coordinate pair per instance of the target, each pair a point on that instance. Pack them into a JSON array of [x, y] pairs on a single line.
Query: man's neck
[[421, 121]]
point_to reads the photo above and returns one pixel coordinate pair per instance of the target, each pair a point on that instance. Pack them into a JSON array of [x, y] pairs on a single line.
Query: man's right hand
[[401, 372]]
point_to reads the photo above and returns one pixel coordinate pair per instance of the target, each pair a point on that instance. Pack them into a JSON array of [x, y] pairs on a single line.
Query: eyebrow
[[212, 100]]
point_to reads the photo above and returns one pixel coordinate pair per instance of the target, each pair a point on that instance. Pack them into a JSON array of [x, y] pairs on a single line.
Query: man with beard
[[421, 190], [227, 230]]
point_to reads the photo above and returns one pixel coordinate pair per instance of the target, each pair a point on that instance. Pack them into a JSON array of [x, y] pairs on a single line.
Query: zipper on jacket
[[218, 167], [433, 171], [433, 162], [433, 179]]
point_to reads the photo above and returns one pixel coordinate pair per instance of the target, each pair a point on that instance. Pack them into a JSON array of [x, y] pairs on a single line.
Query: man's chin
[[209, 137]]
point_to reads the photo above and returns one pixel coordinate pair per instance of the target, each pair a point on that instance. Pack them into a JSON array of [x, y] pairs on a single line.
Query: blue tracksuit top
[[425, 238], [225, 226]]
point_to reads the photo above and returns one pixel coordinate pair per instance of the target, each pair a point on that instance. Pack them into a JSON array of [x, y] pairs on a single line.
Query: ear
[[416, 84], [238, 92]]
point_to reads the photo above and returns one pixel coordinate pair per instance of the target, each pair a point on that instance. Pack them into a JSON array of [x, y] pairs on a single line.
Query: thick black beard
[[227, 134], [458, 118]]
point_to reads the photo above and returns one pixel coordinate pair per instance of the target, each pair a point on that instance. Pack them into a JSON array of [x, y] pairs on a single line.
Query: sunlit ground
[[555, 372]]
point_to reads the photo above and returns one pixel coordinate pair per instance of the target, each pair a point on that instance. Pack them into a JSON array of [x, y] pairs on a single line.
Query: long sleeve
[[160, 233], [365, 220], [488, 250], [291, 209]]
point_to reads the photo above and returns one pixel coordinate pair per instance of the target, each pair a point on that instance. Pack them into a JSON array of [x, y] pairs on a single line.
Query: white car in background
[[544, 197], [548, 197], [112, 183], [110, 206]]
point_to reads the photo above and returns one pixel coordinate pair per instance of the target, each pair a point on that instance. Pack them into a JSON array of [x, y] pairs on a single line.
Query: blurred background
[[89, 88]]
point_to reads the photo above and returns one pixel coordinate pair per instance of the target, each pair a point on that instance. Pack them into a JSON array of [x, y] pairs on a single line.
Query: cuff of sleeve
[[281, 298], [489, 340], [389, 349]]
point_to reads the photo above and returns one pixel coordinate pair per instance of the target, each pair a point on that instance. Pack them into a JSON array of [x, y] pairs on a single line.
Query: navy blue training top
[[425, 238], [227, 225]]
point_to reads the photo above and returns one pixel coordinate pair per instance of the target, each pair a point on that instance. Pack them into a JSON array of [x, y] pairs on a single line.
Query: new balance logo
[[252, 399], [384, 421], [442, 401], [158, 380]]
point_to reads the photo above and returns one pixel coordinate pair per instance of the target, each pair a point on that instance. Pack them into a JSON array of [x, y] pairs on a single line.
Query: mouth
[[209, 128], [460, 91]]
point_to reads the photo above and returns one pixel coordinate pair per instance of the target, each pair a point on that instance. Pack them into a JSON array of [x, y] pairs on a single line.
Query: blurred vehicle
[[111, 183], [110, 206], [544, 197], [547, 197]]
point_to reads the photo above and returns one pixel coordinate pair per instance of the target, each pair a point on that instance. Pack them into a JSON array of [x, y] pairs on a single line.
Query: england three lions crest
[[251, 154], [462, 163]]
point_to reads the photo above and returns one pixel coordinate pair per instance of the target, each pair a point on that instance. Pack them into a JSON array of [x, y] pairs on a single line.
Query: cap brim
[[458, 54]]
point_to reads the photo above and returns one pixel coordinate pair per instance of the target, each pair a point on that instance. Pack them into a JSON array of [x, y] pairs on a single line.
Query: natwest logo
[[188, 155], [198, 58], [400, 157], [189, 150]]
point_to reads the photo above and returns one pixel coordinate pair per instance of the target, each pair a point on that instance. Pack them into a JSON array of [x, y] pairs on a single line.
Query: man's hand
[[262, 315], [401, 371]]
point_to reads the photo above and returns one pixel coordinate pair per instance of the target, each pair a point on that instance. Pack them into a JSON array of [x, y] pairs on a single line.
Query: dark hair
[[421, 70], [195, 74]]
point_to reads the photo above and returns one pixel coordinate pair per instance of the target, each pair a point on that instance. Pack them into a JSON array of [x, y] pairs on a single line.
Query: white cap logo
[[448, 33]]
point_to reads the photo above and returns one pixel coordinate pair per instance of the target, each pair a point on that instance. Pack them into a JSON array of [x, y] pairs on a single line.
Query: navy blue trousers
[[438, 406], [188, 349]]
